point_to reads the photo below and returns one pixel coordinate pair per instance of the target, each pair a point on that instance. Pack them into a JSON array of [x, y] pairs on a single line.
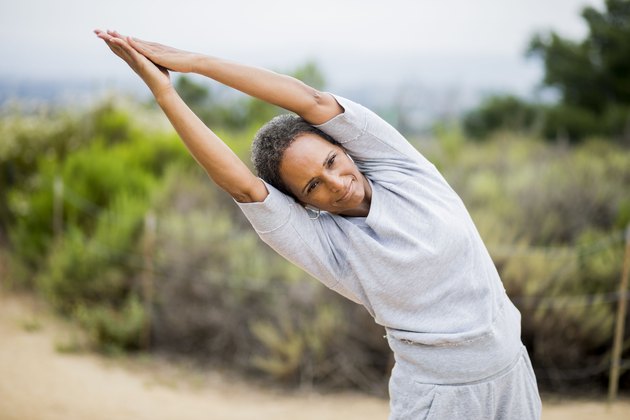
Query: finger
[[121, 44], [120, 47], [104, 36], [137, 43], [135, 39], [134, 42], [146, 44], [128, 50], [118, 51], [140, 47], [115, 34]]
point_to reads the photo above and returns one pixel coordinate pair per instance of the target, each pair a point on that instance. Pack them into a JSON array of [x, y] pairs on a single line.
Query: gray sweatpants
[[489, 378], [510, 394]]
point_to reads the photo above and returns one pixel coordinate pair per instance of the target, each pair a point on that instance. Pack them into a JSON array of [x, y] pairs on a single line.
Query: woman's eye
[[331, 160], [312, 186]]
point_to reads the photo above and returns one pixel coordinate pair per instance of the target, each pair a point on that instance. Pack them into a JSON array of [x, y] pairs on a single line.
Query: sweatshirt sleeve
[[369, 139], [315, 245]]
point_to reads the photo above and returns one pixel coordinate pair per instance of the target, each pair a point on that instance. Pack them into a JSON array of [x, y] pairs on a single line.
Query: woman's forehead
[[308, 144], [305, 157]]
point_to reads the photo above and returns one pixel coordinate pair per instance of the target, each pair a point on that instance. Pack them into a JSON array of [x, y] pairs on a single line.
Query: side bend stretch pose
[[345, 197]]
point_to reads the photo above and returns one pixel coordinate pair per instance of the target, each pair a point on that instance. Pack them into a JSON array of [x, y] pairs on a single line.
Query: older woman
[[343, 195]]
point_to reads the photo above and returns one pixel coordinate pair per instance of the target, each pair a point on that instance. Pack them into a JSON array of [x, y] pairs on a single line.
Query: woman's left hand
[[156, 77]]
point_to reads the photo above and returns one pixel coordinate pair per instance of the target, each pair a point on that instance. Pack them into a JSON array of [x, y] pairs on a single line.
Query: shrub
[[223, 296], [115, 329], [552, 218], [99, 266], [505, 113]]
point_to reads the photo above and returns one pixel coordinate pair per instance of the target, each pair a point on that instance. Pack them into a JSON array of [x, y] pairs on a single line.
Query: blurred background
[[524, 106]]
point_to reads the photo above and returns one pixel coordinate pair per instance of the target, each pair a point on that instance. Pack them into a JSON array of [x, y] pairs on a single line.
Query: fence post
[[58, 207], [619, 324], [150, 228]]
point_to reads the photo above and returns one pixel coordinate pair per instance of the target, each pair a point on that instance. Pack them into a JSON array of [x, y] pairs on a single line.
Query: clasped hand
[[150, 60]]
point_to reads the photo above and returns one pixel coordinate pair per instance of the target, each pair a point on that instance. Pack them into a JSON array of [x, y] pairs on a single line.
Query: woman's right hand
[[156, 77]]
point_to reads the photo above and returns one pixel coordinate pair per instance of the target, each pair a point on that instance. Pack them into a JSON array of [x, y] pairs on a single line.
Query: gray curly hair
[[273, 139]]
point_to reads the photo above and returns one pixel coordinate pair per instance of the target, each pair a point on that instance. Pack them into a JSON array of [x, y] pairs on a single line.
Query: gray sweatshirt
[[416, 262]]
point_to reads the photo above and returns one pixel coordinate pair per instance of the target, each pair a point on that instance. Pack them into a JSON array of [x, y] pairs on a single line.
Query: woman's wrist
[[197, 63], [163, 93]]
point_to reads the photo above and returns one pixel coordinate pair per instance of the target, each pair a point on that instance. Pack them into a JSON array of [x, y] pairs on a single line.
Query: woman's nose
[[335, 183]]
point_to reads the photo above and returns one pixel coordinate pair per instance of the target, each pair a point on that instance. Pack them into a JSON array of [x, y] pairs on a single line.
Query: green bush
[[550, 215], [115, 329], [570, 123], [501, 112], [552, 218], [99, 266], [92, 261], [223, 296], [93, 178]]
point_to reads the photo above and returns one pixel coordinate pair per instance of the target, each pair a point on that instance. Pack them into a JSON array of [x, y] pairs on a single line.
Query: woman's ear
[[313, 212]]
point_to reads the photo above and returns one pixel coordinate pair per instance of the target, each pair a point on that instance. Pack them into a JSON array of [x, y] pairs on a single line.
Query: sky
[[448, 42]]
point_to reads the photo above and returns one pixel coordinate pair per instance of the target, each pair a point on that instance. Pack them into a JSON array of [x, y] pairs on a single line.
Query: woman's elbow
[[321, 107], [254, 193]]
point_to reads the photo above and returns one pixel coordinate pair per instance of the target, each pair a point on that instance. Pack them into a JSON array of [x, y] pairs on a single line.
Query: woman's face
[[320, 173]]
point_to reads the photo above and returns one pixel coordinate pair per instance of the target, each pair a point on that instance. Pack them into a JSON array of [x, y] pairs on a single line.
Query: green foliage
[[93, 178], [591, 76], [501, 113], [451, 139], [565, 122], [100, 265], [33, 147], [222, 294], [310, 74], [107, 178], [111, 123], [112, 329], [551, 216], [24, 140], [286, 346], [299, 345], [194, 94]]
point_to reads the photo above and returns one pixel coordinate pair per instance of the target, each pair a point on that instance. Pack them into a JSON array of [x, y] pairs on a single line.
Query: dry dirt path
[[38, 382]]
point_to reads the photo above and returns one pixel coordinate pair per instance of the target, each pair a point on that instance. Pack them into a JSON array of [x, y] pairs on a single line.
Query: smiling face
[[320, 173]]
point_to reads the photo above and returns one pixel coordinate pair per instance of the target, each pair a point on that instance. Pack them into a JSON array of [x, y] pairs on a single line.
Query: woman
[[344, 196]]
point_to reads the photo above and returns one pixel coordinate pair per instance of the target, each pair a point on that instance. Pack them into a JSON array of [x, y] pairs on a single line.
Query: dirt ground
[[40, 381]]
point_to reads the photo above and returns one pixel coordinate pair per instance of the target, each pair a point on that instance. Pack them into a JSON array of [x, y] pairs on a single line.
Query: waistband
[[471, 361]]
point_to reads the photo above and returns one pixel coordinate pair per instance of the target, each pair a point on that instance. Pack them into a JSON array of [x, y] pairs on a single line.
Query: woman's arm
[[278, 89], [218, 160]]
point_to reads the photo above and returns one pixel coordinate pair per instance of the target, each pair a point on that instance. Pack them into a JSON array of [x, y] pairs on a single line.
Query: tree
[[500, 113], [194, 94], [592, 76]]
